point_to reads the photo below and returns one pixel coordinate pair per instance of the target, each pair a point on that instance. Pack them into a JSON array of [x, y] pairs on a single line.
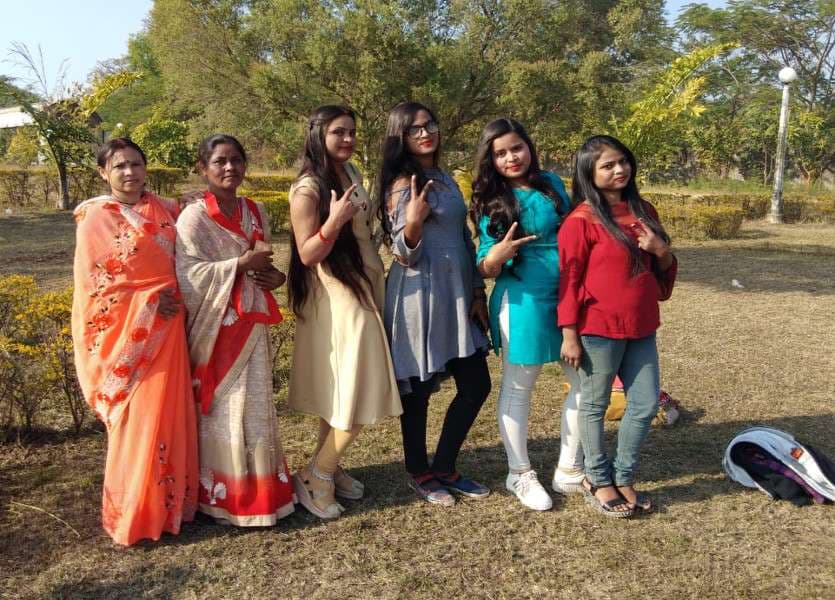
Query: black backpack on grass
[[776, 463]]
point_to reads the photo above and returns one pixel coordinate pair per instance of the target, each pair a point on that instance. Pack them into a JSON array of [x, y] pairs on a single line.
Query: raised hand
[[648, 240], [503, 251], [418, 209], [342, 210]]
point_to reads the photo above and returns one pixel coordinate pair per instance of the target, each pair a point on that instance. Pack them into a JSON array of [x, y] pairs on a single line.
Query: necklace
[[128, 204], [229, 214]]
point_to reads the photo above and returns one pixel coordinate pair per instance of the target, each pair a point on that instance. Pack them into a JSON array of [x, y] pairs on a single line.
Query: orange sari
[[133, 365]]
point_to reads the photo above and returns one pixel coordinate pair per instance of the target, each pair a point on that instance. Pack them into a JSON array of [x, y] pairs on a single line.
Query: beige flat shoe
[[346, 486], [315, 492]]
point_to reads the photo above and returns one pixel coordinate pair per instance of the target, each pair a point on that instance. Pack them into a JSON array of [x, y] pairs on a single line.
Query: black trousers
[[472, 382]]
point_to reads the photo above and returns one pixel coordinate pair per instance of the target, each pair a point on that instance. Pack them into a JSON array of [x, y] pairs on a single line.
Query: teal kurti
[[532, 285]]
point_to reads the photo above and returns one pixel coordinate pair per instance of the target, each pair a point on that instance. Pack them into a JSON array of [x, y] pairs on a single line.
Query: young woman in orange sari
[[226, 276], [130, 350]]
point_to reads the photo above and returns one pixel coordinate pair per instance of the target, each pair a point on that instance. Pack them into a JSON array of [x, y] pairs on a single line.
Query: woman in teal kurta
[[531, 280], [518, 209]]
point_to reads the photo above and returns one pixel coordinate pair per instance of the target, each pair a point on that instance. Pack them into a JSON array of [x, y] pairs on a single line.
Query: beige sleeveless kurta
[[342, 369]]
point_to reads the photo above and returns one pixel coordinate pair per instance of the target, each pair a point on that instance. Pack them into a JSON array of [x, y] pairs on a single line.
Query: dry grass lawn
[[733, 357]]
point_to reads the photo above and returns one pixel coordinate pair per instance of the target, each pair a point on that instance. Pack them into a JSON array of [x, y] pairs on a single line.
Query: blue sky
[[88, 31], [82, 31]]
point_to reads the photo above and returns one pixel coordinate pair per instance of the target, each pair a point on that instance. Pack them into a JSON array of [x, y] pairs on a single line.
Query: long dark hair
[[345, 259], [492, 194], [583, 189], [396, 158]]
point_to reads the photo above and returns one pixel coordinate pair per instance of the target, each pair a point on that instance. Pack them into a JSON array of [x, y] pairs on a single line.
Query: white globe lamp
[[786, 76]]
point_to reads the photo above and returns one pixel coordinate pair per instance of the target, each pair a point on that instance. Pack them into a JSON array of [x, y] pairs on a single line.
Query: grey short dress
[[429, 289]]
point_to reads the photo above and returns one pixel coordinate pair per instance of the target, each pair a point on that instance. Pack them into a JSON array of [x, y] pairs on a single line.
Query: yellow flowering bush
[[36, 354]]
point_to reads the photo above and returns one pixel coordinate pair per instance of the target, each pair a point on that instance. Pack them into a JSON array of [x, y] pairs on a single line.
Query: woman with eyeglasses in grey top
[[435, 311]]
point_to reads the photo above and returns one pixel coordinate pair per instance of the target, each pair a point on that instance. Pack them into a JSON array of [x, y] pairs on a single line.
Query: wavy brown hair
[[492, 194]]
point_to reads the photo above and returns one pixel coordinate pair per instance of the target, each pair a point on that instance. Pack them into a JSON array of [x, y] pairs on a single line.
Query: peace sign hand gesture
[[342, 210], [503, 251], [649, 241], [418, 209]]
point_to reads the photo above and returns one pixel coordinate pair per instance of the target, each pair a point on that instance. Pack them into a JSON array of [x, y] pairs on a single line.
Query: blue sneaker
[[458, 484]]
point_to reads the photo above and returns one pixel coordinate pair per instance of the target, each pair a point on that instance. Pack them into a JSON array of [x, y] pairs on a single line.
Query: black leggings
[[472, 382]]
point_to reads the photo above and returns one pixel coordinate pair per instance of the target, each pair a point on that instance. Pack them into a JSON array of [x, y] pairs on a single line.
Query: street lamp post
[[786, 75]]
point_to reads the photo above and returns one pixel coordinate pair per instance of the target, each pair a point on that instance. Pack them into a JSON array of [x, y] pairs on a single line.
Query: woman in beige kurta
[[342, 370]]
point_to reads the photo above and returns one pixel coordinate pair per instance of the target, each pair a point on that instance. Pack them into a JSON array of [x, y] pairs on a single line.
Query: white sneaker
[[564, 483], [529, 491]]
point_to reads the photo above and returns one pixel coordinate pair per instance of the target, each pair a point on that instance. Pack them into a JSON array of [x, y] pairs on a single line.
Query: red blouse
[[598, 293]]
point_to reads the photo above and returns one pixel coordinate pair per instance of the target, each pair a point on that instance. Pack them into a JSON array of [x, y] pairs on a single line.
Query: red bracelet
[[323, 238]]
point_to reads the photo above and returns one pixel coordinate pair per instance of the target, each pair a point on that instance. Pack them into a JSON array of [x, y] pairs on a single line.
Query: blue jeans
[[636, 361]]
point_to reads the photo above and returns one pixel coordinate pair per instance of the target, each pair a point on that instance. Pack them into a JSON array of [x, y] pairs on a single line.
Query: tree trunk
[[63, 187]]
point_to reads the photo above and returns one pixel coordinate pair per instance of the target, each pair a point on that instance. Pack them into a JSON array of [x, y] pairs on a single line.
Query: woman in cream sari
[[130, 350], [226, 275]]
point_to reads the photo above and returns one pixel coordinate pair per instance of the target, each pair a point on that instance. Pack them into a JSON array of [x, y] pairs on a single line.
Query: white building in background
[[14, 117]]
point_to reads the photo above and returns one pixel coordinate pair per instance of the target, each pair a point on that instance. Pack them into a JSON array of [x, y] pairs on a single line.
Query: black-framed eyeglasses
[[429, 127]]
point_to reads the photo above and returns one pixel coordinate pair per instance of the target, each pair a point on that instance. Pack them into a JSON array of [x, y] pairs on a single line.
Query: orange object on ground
[[668, 408], [133, 365]]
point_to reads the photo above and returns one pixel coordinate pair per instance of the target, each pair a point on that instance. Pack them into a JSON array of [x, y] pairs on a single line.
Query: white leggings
[[515, 403]]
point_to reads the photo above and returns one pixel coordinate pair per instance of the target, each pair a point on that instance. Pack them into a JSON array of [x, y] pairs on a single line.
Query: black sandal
[[610, 508], [643, 502]]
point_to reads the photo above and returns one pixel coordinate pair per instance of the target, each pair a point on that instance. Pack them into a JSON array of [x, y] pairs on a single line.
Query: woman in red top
[[615, 265]]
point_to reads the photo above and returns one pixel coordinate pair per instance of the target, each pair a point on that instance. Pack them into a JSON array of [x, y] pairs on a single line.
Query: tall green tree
[[137, 104], [658, 122], [744, 90], [62, 117], [258, 67]]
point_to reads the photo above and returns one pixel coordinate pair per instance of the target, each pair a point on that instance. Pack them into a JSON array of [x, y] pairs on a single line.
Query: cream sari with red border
[[243, 474]]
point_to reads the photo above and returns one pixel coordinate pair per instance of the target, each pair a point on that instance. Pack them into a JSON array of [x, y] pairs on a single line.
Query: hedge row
[[700, 221], [37, 187], [164, 180], [277, 204], [269, 182], [796, 207], [719, 216]]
